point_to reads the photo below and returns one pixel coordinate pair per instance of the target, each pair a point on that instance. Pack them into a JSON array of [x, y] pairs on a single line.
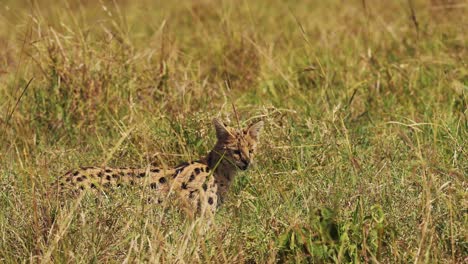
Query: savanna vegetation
[[363, 157]]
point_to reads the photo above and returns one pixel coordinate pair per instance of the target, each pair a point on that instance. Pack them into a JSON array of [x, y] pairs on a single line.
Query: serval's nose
[[245, 164]]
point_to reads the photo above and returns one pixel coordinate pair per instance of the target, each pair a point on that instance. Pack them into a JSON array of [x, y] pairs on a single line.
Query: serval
[[200, 185]]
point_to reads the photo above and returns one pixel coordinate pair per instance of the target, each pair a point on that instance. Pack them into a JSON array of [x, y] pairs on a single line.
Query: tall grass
[[363, 157]]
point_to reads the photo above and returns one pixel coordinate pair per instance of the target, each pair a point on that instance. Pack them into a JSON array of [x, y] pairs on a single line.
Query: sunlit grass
[[363, 157]]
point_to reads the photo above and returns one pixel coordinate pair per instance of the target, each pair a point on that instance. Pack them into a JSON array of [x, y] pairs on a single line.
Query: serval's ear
[[222, 133], [255, 129]]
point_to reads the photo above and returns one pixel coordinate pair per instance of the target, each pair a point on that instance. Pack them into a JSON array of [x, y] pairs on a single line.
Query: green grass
[[363, 156]]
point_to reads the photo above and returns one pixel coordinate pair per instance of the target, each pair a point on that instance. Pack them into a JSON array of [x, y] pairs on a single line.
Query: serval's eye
[[237, 152]]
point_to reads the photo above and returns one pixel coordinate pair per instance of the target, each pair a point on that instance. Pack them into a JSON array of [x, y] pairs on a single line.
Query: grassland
[[363, 157]]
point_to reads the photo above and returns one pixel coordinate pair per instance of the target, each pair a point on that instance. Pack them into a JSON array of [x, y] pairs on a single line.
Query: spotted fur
[[200, 184]]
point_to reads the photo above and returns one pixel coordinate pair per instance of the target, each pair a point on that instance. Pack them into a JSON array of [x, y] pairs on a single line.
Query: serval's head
[[236, 147]]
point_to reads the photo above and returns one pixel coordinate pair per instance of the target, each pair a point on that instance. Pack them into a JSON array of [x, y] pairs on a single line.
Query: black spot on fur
[[76, 173], [192, 177], [93, 186], [155, 170], [132, 183], [191, 194], [108, 170], [68, 179], [197, 171], [141, 175], [207, 169], [177, 172], [119, 185], [210, 200], [120, 173], [162, 180], [204, 186], [115, 176], [79, 179], [184, 186], [108, 177], [107, 185], [153, 185], [62, 184], [82, 187], [100, 174]]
